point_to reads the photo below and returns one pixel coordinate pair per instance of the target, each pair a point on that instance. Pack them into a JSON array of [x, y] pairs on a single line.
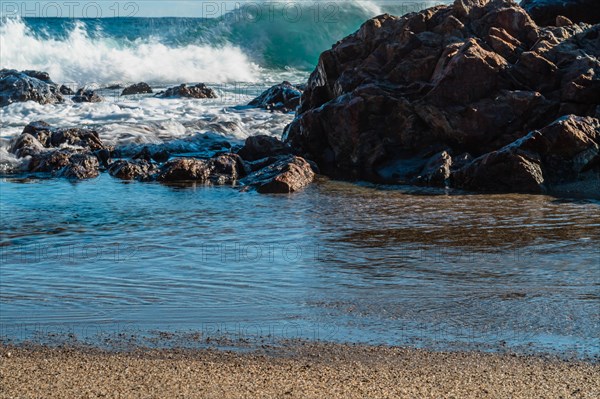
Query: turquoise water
[[337, 262]]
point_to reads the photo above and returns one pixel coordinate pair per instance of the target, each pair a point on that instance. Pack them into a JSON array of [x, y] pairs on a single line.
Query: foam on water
[[181, 125]]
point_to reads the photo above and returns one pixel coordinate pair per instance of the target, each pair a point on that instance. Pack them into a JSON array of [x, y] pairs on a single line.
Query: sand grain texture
[[305, 371]]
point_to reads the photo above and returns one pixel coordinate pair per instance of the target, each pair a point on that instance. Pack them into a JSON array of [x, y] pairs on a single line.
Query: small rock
[[127, 170], [67, 91], [283, 97], [198, 91], [287, 175], [138, 88], [87, 96]]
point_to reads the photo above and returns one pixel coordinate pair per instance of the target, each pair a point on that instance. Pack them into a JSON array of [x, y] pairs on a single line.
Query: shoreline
[[302, 370]]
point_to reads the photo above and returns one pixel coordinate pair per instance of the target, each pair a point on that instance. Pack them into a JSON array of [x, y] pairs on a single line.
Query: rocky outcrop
[[198, 91], [261, 146], [287, 174], [551, 12], [283, 97], [87, 96], [138, 88], [412, 99], [25, 86]]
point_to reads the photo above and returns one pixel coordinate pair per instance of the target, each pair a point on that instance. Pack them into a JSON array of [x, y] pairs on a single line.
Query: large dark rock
[[261, 146], [87, 96], [198, 91], [283, 97], [24, 86], [545, 12], [138, 88], [402, 97], [287, 174]]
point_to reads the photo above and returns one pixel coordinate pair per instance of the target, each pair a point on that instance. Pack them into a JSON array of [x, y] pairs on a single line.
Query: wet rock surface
[[283, 97], [198, 91], [16, 86], [467, 79]]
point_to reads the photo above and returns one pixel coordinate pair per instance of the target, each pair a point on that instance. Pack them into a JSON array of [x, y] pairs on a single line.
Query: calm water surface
[[337, 262]]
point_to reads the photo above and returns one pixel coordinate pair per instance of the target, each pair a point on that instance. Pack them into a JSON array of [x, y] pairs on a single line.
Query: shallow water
[[337, 262]]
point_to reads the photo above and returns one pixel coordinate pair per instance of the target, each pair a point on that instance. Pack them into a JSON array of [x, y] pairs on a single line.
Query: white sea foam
[[179, 125], [82, 59]]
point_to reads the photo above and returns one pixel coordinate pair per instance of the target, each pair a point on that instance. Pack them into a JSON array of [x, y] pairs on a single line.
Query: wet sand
[[299, 371]]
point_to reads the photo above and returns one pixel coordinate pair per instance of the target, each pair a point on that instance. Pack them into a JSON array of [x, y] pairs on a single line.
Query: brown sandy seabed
[[306, 370]]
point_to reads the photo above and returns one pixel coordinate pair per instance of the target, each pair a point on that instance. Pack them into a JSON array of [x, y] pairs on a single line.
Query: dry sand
[[303, 371]]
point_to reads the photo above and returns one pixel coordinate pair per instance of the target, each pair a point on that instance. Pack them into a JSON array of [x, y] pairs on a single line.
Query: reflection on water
[[337, 262]]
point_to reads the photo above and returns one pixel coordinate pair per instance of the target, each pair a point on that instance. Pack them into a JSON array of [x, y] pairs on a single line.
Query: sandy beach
[[301, 371]]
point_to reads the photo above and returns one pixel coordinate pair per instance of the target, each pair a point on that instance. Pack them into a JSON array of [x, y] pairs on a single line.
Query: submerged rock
[[25, 86], [138, 88], [198, 91], [287, 174], [282, 97], [261, 146], [551, 12], [87, 96], [468, 78]]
